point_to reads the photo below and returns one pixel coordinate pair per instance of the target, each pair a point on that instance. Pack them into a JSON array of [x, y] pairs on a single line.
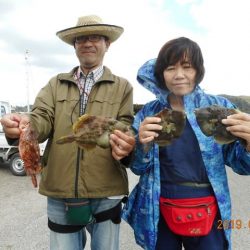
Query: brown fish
[[209, 121], [90, 131], [173, 123]]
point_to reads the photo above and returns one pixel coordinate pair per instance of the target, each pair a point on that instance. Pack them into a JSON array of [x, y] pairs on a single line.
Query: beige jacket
[[68, 171]]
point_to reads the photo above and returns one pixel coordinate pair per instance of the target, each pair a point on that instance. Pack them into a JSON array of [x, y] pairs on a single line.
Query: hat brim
[[111, 31]]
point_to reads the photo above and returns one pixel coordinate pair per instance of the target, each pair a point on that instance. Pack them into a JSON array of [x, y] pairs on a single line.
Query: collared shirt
[[85, 84]]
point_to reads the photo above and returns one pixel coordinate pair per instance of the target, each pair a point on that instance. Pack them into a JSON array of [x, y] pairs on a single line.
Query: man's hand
[[11, 124], [122, 144]]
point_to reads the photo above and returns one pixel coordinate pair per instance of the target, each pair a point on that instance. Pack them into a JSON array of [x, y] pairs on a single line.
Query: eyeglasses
[[91, 38]]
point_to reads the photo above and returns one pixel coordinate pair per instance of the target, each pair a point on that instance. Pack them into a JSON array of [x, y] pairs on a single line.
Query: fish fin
[[103, 140], [222, 140], [81, 121], [164, 143]]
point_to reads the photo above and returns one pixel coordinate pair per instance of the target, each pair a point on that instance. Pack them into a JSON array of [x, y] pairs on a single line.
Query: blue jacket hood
[[146, 78]]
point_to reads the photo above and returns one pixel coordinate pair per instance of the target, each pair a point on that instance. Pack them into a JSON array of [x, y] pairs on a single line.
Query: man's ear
[[107, 45]]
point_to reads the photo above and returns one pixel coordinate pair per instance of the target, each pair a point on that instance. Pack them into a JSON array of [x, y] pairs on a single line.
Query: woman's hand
[[239, 125], [148, 128]]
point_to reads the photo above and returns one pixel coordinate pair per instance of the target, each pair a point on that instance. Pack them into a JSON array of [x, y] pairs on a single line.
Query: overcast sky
[[221, 28]]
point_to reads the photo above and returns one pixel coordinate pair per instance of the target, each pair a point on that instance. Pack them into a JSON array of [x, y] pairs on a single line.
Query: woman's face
[[180, 78]]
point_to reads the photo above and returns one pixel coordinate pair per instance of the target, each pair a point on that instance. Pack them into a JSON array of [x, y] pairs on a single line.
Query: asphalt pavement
[[23, 220]]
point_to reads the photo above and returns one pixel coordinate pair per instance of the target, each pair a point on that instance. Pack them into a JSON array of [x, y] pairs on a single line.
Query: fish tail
[[65, 139], [34, 180]]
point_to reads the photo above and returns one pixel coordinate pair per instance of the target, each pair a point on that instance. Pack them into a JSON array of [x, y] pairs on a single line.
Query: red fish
[[30, 152]]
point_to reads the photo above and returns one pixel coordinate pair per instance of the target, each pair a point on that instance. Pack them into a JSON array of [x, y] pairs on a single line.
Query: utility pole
[[27, 78]]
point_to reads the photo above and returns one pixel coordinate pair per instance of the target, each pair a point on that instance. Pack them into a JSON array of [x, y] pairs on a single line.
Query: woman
[[192, 167]]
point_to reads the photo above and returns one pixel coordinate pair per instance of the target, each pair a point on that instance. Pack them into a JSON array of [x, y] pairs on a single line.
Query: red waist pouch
[[191, 216]]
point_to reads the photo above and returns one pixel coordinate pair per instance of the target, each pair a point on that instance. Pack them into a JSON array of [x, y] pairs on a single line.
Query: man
[[82, 184]]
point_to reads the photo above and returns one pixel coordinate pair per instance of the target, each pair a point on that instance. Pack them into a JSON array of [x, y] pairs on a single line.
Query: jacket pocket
[[67, 108], [104, 105]]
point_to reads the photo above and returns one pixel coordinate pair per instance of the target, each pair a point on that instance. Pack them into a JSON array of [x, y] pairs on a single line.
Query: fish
[[173, 123], [90, 131], [29, 151], [209, 120]]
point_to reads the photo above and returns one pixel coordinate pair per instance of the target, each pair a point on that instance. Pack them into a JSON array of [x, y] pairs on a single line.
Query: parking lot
[[23, 223]]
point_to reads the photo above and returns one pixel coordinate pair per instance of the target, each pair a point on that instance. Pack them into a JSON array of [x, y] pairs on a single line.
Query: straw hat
[[90, 25]]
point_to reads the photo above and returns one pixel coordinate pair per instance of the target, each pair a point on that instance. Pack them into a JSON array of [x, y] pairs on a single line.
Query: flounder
[[91, 130], [173, 123], [209, 121]]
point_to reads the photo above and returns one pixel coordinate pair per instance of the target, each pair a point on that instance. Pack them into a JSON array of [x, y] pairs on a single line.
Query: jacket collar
[[106, 77]]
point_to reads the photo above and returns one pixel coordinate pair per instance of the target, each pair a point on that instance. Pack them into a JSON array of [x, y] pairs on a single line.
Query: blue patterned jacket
[[142, 209]]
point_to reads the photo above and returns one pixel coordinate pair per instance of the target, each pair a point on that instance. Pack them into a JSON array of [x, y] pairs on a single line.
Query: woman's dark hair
[[177, 50]]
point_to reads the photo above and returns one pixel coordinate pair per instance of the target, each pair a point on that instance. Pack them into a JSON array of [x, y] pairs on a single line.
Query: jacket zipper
[[79, 150], [77, 172]]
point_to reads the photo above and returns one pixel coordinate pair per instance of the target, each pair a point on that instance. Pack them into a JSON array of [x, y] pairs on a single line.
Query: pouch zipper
[[69, 204], [206, 205]]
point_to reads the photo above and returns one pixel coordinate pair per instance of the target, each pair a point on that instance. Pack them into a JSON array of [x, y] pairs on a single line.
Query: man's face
[[90, 51]]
